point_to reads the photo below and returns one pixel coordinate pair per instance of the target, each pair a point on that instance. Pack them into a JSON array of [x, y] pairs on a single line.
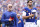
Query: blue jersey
[[28, 12], [6, 16], [21, 24]]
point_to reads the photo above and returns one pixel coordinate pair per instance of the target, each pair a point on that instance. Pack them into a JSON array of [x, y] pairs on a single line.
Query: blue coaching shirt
[[6, 16], [28, 12], [21, 24]]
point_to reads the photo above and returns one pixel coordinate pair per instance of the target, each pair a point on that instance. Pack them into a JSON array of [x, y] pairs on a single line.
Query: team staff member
[[20, 21], [30, 15], [9, 18]]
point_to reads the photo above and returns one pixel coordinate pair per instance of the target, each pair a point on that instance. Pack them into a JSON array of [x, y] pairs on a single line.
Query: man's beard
[[10, 10], [30, 5]]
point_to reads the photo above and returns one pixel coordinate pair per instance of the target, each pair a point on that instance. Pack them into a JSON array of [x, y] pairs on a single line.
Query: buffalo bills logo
[[12, 18]]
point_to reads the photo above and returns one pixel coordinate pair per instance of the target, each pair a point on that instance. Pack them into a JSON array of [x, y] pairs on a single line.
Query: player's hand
[[32, 15], [19, 21], [10, 19]]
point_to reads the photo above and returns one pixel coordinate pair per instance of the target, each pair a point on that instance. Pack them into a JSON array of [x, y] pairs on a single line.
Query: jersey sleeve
[[23, 13], [3, 18], [16, 21], [35, 8]]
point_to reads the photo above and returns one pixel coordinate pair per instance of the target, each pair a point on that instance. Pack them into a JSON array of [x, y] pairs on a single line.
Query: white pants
[[30, 24], [38, 23]]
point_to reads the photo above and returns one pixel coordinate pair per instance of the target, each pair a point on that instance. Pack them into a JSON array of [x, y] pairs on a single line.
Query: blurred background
[[18, 6]]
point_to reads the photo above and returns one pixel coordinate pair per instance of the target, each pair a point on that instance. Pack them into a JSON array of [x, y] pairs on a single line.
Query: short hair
[[9, 4], [29, 0]]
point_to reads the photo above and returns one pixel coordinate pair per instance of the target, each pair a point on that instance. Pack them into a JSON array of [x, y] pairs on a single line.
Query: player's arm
[[26, 17], [16, 22]]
